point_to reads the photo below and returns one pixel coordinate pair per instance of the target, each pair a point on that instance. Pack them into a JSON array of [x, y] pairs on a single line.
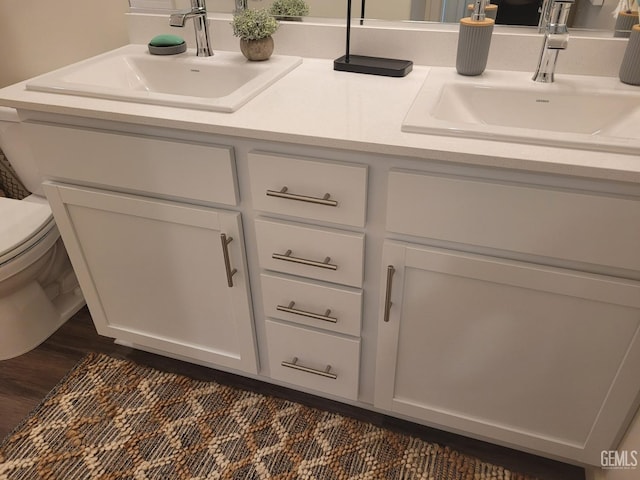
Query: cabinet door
[[528, 356], [154, 273]]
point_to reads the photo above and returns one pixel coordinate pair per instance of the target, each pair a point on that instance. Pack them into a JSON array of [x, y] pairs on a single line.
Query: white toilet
[[38, 288]]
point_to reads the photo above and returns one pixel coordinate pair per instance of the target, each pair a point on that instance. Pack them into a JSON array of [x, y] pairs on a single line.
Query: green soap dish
[[167, 45]]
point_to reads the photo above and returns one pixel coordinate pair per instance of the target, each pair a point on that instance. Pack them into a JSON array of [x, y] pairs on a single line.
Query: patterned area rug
[[113, 419]]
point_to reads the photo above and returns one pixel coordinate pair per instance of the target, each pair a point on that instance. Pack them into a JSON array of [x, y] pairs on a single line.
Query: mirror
[[585, 14]]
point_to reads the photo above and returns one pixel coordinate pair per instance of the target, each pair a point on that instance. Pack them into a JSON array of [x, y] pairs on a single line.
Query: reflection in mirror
[[587, 14]]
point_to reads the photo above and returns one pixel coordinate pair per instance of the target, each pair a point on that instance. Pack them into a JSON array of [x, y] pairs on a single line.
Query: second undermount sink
[[595, 113], [223, 82]]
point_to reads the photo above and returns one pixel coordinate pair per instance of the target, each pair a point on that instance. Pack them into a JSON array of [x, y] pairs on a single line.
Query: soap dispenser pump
[[474, 40]]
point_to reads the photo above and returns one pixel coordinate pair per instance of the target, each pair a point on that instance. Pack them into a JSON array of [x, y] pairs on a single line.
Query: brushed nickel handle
[[227, 262], [287, 257], [387, 298], [296, 366], [284, 193], [289, 309]]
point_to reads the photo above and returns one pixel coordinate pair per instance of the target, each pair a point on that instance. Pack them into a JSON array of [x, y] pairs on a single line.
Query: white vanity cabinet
[[498, 304], [537, 356], [164, 275]]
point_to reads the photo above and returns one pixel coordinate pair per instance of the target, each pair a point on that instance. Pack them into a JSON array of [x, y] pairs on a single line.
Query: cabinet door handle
[[289, 309], [387, 297], [227, 262], [284, 193], [287, 257], [296, 366]]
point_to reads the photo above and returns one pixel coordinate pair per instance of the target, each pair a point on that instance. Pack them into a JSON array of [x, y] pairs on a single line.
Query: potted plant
[[289, 9], [255, 27]]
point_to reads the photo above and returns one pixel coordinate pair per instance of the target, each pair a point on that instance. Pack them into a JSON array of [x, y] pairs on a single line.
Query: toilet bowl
[[38, 288]]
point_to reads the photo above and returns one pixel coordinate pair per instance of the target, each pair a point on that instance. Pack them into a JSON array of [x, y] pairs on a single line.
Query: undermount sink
[[221, 83], [594, 113]]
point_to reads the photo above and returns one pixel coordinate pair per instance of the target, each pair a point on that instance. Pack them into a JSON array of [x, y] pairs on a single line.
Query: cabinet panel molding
[[471, 346], [153, 273]]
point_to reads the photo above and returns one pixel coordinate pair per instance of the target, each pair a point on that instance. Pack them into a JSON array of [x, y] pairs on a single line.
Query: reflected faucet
[[553, 23], [199, 14], [241, 5]]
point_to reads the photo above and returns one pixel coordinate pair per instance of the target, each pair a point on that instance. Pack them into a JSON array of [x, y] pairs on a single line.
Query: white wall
[[40, 35], [588, 15]]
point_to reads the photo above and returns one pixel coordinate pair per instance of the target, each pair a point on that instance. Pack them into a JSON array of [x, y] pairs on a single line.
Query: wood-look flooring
[[26, 380]]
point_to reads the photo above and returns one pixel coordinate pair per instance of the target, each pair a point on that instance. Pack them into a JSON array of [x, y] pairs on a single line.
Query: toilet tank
[[15, 147]]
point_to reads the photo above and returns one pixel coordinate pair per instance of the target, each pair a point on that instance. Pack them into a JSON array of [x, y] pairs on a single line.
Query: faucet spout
[[199, 14], [553, 23], [178, 19]]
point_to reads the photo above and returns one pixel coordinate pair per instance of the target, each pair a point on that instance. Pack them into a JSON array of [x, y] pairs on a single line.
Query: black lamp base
[[387, 67]]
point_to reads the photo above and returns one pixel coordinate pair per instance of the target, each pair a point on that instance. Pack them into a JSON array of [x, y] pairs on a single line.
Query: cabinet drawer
[[302, 250], [316, 305], [135, 163], [307, 183], [307, 355], [571, 225]]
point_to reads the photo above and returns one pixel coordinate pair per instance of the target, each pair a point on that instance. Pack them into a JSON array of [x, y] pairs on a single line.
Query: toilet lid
[[20, 222]]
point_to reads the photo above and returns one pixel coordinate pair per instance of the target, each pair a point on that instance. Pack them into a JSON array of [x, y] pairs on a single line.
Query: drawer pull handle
[[289, 309], [287, 257], [323, 373], [227, 262], [284, 193], [387, 298]]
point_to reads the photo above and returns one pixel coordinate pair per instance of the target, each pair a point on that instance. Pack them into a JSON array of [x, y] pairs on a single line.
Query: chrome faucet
[[545, 11], [240, 6], [199, 14], [479, 7], [553, 23]]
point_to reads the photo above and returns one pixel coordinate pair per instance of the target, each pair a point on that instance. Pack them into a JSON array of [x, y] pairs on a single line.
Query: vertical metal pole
[[346, 55], [362, 13]]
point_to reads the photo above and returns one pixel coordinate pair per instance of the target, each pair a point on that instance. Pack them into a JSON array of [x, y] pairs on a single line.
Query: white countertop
[[315, 105]]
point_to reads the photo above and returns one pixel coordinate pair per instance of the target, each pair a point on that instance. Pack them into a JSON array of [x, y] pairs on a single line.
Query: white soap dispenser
[[474, 41]]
